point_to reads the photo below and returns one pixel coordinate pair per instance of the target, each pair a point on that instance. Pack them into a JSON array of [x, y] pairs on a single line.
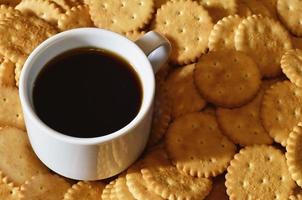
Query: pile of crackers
[[228, 108]]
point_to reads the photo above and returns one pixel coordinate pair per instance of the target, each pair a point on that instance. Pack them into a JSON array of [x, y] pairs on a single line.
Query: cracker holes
[[192, 158], [112, 21], [4, 100], [41, 188], [246, 76], [238, 126], [178, 13], [133, 16], [235, 60], [255, 132], [240, 88], [183, 49], [227, 76], [181, 30], [11, 192], [104, 5], [201, 142], [178, 140], [140, 3], [17, 115]]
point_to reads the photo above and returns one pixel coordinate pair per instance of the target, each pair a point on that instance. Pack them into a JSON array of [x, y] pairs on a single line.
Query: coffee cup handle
[[156, 47]]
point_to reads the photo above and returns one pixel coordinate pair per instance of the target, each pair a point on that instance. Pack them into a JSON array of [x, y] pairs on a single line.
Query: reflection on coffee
[[87, 93]]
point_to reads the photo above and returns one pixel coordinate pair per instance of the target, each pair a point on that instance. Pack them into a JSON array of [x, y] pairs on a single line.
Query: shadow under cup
[[88, 158]]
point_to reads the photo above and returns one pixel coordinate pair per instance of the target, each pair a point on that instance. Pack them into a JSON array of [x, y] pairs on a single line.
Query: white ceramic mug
[[105, 156]]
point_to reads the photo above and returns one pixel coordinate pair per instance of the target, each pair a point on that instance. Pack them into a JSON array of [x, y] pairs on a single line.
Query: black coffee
[[87, 93]]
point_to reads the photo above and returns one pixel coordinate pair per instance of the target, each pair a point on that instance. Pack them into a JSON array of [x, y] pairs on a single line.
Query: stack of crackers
[[228, 110]]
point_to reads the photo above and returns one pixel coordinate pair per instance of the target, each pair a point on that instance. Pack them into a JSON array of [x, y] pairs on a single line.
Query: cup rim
[[32, 116]]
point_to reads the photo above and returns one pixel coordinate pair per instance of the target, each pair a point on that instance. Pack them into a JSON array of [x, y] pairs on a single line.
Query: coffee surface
[[87, 93]]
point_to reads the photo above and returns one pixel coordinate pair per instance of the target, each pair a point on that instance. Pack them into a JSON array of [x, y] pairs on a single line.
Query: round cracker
[[85, 190], [219, 9], [44, 9], [187, 25], [182, 92], [121, 16], [18, 162], [222, 35], [243, 125], [281, 110], [45, 186], [165, 180], [290, 13], [259, 172], [137, 185], [264, 40], [227, 78], [291, 64], [196, 145], [76, 17], [294, 153], [7, 189]]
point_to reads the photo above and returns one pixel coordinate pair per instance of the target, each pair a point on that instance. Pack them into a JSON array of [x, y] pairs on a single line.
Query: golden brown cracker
[[44, 186], [76, 17], [7, 72], [44, 9], [222, 35], [219, 9], [134, 35], [20, 35], [85, 190], [291, 64], [121, 16], [294, 153], [227, 78], [259, 172], [121, 189], [243, 125], [137, 185], [290, 13], [281, 110], [165, 180], [10, 108], [264, 40], [8, 191], [8, 12], [196, 145], [182, 92], [187, 25], [109, 191], [18, 161]]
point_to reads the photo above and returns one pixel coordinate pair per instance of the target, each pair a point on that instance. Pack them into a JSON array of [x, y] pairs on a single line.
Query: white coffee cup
[[105, 156]]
